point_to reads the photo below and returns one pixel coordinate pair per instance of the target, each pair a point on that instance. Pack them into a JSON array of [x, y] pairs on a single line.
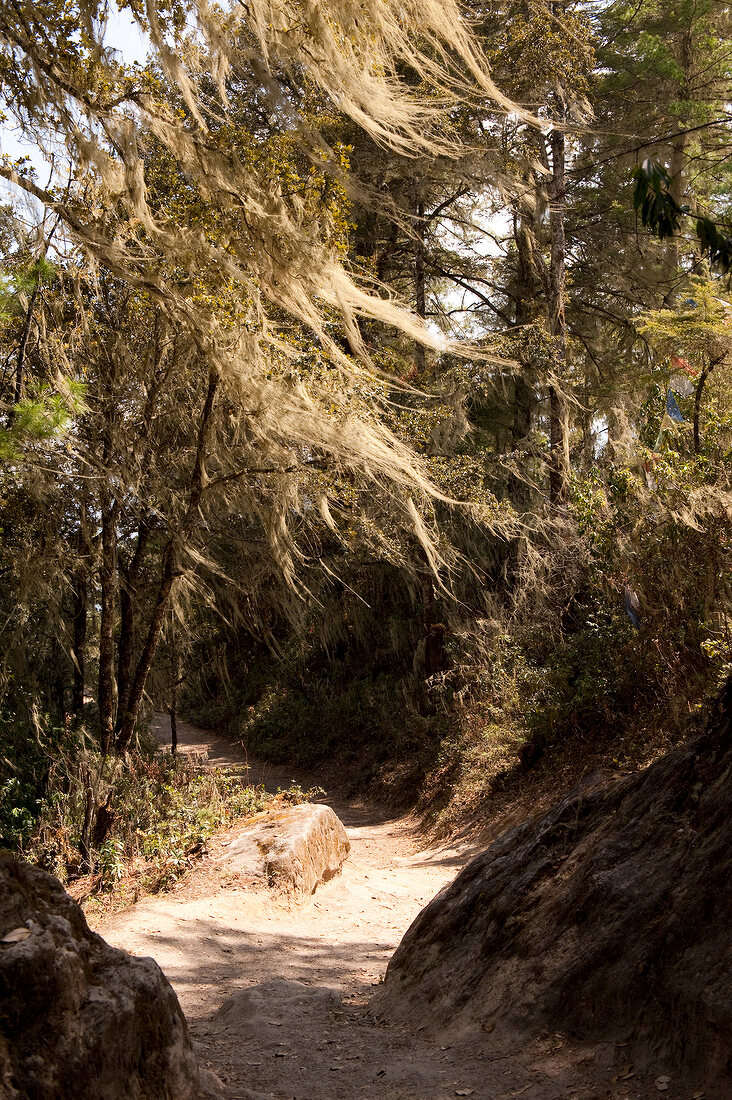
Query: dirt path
[[294, 981]]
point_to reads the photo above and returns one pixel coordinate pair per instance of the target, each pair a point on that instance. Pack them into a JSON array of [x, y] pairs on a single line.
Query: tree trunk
[[171, 570], [556, 447], [557, 321], [677, 164], [109, 509], [511, 555], [128, 615], [108, 579], [126, 644], [383, 259], [84, 850], [169, 574], [20, 361], [78, 652], [174, 702], [435, 659], [420, 291], [698, 400], [525, 292]]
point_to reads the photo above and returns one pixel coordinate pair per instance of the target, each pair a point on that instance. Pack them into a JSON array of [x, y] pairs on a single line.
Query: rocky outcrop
[[609, 917], [292, 850], [78, 1018]]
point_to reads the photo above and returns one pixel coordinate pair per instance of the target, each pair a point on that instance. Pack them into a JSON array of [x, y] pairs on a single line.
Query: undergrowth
[[599, 647], [153, 814], [514, 711], [309, 710]]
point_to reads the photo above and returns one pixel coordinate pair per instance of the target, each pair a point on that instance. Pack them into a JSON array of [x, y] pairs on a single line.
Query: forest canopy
[[365, 377]]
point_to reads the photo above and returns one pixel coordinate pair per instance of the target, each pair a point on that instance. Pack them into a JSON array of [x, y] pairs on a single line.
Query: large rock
[[78, 1018], [293, 849], [609, 918]]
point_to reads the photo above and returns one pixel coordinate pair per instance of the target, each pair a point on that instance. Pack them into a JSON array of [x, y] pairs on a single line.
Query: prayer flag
[[673, 409], [681, 384], [632, 605]]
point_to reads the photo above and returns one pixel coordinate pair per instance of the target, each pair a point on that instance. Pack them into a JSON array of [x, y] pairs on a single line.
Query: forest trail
[[295, 980]]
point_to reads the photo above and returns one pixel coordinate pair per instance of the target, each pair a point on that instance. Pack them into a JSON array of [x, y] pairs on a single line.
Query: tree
[[188, 204], [543, 53], [659, 93]]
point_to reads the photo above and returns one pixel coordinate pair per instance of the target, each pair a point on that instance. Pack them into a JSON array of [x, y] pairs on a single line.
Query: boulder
[[78, 1018], [608, 918], [292, 850]]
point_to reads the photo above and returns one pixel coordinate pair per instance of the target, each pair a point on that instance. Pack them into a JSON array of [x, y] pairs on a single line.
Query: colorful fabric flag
[[673, 409], [632, 605], [651, 482], [681, 384], [679, 363]]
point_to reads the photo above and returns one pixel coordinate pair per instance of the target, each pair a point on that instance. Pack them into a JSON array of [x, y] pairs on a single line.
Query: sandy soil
[[276, 995]]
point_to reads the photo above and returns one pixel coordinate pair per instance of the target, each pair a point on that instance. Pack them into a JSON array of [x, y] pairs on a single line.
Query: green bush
[[163, 808], [27, 755]]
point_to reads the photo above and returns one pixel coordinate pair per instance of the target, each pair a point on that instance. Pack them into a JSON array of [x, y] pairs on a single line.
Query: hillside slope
[[607, 918]]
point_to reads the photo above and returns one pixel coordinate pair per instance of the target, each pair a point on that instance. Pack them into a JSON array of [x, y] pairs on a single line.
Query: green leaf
[[657, 207]]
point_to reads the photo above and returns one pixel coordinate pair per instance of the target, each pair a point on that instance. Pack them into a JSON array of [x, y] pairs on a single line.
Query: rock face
[[78, 1018], [293, 849], [608, 918]]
